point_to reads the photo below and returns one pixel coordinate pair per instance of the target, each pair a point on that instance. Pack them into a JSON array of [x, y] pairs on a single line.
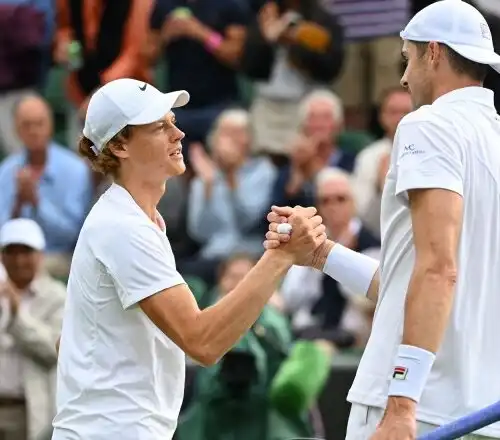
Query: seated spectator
[[321, 116], [314, 300], [372, 163], [45, 182], [26, 33], [99, 41], [294, 184], [31, 309], [201, 44], [228, 197], [314, 148], [173, 208], [291, 48]]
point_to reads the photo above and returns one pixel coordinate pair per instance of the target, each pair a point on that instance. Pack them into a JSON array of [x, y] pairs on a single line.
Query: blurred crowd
[[293, 102]]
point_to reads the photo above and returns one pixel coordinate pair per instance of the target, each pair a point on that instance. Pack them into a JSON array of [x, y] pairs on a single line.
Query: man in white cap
[[433, 354], [31, 308], [129, 315]]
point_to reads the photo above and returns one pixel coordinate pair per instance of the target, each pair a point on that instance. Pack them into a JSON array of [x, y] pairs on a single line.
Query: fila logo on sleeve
[[400, 373]]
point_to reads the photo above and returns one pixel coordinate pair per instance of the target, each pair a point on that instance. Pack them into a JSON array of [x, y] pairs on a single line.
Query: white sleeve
[[428, 156], [140, 264]]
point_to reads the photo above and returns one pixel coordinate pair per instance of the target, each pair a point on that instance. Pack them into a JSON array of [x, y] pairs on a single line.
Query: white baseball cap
[[457, 24], [126, 102], [22, 231]]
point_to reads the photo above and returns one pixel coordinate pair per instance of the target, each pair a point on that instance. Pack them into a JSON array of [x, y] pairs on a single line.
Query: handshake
[[306, 244]]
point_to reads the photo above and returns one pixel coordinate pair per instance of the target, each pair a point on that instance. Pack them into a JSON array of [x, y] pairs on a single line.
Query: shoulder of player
[[119, 230], [430, 120], [429, 115]]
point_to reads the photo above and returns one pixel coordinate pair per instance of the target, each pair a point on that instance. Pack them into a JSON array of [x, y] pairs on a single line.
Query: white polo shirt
[[452, 144], [119, 377]]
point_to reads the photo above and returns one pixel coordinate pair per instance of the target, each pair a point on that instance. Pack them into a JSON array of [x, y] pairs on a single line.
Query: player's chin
[[176, 165]]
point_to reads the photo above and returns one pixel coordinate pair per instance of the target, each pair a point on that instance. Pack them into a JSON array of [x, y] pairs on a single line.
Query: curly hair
[[105, 162]]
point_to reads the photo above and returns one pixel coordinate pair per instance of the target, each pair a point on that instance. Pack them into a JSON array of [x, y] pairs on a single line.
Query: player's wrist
[[411, 369], [352, 269], [321, 254], [280, 256], [401, 406]]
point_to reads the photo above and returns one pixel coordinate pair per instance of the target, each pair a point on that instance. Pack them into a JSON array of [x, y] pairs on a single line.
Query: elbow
[[200, 346], [202, 353], [442, 269]]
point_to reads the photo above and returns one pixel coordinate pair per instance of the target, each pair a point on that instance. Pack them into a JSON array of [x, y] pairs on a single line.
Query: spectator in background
[[320, 120], [31, 309], [202, 43], [315, 300], [372, 163], [294, 184], [173, 208], [373, 52], [228, 197], [292, 47], [321, 116], [26, 30], [99, 41], [45, 182]]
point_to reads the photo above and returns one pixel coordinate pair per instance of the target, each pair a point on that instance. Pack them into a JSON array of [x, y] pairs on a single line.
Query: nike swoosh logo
[[143, 87]]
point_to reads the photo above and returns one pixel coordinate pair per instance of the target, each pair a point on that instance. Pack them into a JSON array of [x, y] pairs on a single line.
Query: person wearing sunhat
[[31, 306]]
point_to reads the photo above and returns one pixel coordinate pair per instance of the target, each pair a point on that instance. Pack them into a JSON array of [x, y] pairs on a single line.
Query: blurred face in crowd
[[321, 121], [335, 204], [418, 75], [153, 151], [231, 141], [234, 271], [34, 123], [303, 150], [21, 264], [395, 106]]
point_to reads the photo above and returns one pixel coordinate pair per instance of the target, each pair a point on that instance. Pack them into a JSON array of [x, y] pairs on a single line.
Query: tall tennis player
[[129, 316], [433, 354]]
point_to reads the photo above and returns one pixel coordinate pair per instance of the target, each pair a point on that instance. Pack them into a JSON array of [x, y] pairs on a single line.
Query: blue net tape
[[466, 424]]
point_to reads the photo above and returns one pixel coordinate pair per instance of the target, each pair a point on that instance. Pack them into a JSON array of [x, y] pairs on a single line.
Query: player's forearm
[[320, 263], [428, 305], [223, 324]]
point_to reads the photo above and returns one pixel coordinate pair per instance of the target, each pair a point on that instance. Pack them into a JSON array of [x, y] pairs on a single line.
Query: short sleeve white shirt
[[119, 376], [453, 144]]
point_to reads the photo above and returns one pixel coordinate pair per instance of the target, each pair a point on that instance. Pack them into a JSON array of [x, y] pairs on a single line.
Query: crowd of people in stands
[[293, 102]]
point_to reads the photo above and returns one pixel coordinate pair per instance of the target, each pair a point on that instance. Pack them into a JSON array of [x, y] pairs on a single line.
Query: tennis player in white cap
[[129, 316], [433, 354]]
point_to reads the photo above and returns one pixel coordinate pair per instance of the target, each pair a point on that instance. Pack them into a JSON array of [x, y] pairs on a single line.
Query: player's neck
[[454, 84], [146, 194]]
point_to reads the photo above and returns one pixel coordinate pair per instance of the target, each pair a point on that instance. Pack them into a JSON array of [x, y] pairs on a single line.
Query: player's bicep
[[428, 156], [436, 216], [140, 265], [175, 312]]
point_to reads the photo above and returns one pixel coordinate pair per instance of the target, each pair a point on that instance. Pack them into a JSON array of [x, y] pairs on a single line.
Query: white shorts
[[363, 421]]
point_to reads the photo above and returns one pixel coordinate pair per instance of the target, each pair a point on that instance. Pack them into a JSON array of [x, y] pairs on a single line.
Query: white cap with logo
[[22, 231], [457, 24], [126, 102]]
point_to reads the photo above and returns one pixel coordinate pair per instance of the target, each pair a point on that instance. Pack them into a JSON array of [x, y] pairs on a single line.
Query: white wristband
[[353, 270], [413, 365]]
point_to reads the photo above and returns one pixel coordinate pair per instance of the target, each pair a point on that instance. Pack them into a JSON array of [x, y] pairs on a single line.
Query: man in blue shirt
[[45, 182]]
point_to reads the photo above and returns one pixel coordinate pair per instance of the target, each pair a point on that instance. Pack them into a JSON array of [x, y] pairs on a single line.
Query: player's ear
[[119, 148]]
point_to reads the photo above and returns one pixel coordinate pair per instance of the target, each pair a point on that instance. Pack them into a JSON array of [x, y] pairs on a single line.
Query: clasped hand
[[308, 233]]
